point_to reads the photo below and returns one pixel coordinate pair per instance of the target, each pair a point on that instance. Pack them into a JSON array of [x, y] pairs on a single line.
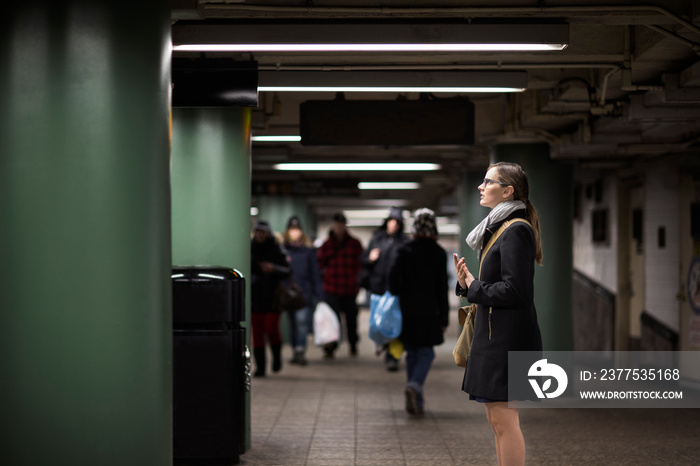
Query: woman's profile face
[[493, 193]]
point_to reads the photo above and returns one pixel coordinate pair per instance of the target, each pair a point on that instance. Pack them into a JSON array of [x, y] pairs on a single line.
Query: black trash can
[[211, 365]]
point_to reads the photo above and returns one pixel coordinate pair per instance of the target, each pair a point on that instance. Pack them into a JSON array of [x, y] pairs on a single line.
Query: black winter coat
[[377, 273], [506, 319], [419, 277], [263, 285]]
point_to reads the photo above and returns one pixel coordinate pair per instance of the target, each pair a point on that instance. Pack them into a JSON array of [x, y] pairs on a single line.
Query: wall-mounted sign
[[694, 284], [325, 187]]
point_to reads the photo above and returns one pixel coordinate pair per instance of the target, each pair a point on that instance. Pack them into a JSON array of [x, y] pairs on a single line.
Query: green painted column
[[211, 188], [279, 209], [551, 192], [471, 214], [85, 297]]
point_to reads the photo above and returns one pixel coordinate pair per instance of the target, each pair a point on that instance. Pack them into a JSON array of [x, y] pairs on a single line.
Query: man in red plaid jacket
[[339, 261]]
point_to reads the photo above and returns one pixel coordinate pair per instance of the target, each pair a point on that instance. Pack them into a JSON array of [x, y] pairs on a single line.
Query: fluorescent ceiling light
[[442, 37], [393, 81], [369, 47], [276, 138], [357, 166], [369, 213], [462, 89], [388, 185]]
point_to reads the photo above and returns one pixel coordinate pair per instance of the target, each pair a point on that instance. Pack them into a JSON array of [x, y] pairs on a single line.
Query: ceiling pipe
[[693, 45], [626, 84], [308, 11]]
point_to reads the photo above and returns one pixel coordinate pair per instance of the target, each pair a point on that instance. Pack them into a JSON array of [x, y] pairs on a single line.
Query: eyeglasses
[[488, 181]]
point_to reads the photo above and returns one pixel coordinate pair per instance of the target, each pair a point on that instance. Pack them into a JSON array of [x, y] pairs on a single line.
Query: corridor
[[351, 412]]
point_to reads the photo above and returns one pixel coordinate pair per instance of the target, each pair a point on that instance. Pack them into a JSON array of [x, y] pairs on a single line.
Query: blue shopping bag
[[385, 318]]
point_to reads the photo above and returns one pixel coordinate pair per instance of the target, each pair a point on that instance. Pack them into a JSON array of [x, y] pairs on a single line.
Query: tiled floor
[[350, 411]]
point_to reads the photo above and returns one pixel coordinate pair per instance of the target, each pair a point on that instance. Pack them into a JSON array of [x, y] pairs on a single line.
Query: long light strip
[[386, 185], [311, 88], [357, 166], [368, 47], [280, 138], [393, 81]]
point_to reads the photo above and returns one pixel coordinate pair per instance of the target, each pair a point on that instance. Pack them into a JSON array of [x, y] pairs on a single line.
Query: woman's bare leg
[[510, 444]]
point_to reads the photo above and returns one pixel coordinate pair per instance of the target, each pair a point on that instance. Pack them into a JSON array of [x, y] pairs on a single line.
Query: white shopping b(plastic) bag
[[326, 325]]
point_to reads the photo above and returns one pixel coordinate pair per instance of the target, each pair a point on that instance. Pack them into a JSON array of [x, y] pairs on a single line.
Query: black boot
[[276, 358], [259, 354]]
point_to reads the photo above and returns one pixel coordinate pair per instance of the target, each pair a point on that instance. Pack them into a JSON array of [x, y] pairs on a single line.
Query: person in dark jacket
[[268, 265], [305, 273], [506, 319], [419, 278], [339, 261], [377, 260]]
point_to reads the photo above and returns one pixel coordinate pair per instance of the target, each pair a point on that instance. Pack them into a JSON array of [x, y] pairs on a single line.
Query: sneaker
[[392, 365], [412, 401], [298, 359]]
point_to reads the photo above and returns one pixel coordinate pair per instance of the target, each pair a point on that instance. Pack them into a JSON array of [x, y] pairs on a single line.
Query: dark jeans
[[418, 362], [345, 305]]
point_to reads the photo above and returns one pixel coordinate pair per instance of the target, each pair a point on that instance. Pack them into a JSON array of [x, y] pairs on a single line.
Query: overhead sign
[[323, 187]]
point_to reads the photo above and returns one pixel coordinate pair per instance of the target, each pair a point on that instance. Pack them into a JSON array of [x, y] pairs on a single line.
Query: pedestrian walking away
[[419, 278]]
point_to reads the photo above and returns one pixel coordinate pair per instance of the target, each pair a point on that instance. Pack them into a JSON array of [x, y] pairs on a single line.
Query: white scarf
[[498, 213]]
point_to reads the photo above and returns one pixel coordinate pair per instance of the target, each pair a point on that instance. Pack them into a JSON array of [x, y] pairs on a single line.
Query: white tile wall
[[598, 262], [662, 268], [661, 209]]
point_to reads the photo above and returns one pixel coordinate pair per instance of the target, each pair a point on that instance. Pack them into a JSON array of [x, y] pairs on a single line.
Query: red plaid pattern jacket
[[339, 261]]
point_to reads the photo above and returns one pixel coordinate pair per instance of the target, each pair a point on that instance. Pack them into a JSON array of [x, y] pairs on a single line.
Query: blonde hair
[[513, 175], [305, 239]]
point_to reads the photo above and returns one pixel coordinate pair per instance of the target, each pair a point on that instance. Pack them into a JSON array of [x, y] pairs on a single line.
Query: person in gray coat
[[419, 278], [506, 319]]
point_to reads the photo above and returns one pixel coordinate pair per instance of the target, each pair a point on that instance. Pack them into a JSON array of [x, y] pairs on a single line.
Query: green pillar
[[471, 214], [551, 192], [211, 192], [85, 297], [278, 209]]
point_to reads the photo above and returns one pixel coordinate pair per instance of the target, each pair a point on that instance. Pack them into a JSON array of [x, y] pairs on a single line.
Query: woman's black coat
[[419, 277], [506, 319], [263, 285]]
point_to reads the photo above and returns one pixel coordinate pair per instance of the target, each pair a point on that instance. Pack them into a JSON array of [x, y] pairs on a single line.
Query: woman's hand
[[464, 276]]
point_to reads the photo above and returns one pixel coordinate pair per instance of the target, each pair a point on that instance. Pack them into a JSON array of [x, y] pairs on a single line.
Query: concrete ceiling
[[626, 88]]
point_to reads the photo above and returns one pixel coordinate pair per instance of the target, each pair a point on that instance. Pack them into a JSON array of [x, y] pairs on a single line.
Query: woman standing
[[506, 319], [419, 277]]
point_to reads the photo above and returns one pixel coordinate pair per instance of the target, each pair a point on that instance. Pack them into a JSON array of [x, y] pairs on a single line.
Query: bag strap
[[495, 236]]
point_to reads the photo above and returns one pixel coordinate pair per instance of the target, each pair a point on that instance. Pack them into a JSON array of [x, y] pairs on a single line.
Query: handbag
[[326, 325], [466, 315], [289, 297], [385, 318]]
